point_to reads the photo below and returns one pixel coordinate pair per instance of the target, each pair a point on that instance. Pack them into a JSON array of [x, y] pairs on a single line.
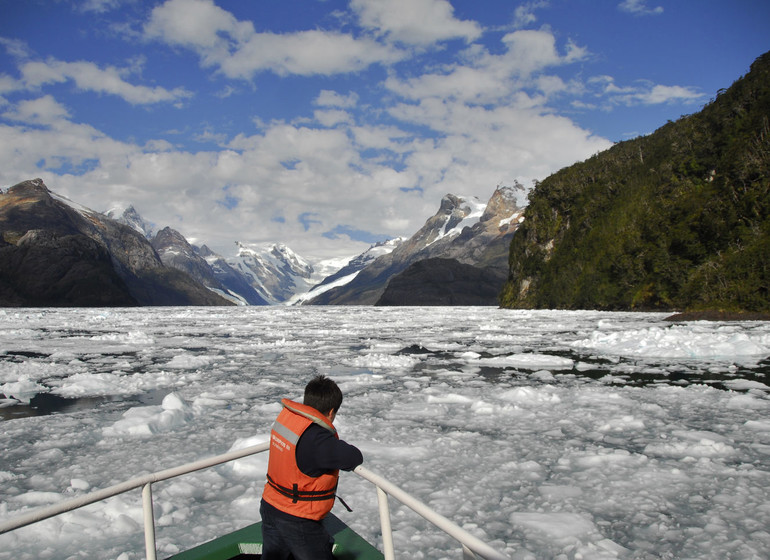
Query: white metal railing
[[473, 548]]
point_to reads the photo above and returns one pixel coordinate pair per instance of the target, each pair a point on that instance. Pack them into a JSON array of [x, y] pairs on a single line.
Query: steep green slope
[[679, 219]]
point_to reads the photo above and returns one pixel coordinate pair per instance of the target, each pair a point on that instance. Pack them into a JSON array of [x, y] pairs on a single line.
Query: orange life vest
[[288, 488]]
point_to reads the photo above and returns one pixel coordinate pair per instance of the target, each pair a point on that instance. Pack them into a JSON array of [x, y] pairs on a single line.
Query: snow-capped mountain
[[348, 272], [464, 229], [236, 286], [176, 252], [257, 275], [274, 271], [131, 218]]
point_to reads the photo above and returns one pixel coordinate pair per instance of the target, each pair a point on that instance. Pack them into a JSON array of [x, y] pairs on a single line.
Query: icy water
[[547, 434]]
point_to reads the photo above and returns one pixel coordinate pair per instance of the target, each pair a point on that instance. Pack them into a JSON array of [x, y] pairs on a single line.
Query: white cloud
[[43, 110], [461, 82], [486, 77], [15, 47], [98, 6], [390, 138], [304, 53], [345, 169], [328, 98], [639, 8], [54, 147], [238, 51], [333, 117], [344, 175], [380, 164], [668, 94], [198, 24], [415, 22], [478, 145], [530, 51], [7, 84], [89, 77], [644, 93], [524, 15]]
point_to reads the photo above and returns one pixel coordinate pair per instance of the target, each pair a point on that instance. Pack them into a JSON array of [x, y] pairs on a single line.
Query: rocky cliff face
[[49, 269], [464, 229], [175, 251], [58, 253]]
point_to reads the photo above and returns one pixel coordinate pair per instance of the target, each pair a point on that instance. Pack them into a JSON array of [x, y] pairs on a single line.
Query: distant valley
[[55, 252]]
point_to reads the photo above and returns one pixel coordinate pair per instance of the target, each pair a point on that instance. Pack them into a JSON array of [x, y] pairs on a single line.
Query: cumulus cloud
[[329, 98], [487, 77], [87, 76], [354, 172], [43, 110], [416, 22], [238, 51], [90, 77], [668, 94], [304, 53]]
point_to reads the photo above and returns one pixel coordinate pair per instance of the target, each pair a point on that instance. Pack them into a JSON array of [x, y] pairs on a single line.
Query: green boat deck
[[246, 544]]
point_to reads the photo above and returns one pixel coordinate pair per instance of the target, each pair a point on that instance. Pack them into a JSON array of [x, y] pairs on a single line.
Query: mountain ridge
[[107, 263], [463, 229]]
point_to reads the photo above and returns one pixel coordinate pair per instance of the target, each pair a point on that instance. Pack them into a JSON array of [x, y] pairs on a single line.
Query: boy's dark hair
[[323, 394]]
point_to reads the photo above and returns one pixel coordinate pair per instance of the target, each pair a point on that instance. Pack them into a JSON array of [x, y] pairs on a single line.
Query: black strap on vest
[[347, 507], [302, 496]]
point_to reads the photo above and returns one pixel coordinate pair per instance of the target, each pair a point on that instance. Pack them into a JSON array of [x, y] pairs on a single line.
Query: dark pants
[[286, 537]]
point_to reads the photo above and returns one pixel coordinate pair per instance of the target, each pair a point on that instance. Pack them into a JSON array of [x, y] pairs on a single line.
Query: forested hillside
[[679, 219]]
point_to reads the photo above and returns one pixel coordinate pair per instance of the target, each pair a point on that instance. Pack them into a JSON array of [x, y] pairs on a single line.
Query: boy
[[306, 456]]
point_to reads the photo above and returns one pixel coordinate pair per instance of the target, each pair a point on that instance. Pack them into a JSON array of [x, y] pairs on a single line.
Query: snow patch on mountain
[[474, 209], [317, 290], [345, 274], [273, 270], [130, 217]]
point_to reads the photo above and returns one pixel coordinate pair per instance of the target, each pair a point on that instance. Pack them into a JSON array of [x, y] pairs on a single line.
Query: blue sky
[[330, 124]]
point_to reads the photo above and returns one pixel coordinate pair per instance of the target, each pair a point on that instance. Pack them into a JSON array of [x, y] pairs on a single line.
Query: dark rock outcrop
[[443, 282], [51, 269]]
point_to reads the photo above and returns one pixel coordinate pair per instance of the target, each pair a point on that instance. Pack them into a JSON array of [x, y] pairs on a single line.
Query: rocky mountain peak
[[168, 237], [131, 218], [455, 232], [29, 188], [205, 252], [450, 203], [504, 202]]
